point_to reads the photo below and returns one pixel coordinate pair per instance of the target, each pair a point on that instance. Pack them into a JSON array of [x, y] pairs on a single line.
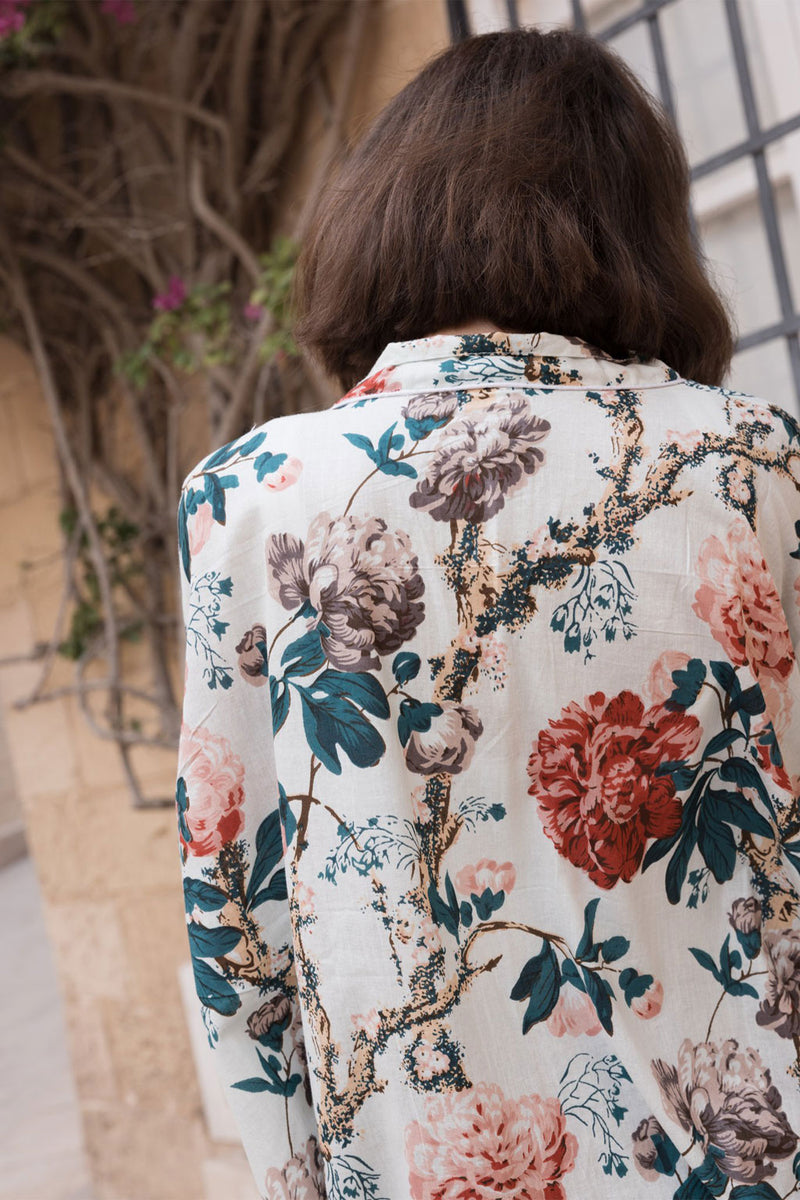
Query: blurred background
[[158, 163]]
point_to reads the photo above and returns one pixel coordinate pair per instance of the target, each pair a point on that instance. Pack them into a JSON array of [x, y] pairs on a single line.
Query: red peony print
[[739, 601], [479, 1144], [593, 772], [214, 779]]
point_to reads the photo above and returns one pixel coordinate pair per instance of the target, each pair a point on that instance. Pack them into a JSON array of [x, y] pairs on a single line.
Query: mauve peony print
[[479, 1144], [361, 577], [593, 773], [739, 601], [725, 1097], [449, 743], [214, 778], [480, 459], [303, 1177], [780, 1008]]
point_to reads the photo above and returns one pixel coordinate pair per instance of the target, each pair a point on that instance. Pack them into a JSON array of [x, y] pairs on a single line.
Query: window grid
[[753, 147]]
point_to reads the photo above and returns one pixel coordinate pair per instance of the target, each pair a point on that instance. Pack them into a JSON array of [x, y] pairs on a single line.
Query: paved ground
[[40, 1138]]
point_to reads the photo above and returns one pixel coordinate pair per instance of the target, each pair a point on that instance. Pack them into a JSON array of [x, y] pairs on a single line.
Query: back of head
[[524, 178]]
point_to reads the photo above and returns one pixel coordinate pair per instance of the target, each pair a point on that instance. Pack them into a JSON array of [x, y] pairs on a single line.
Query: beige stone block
[[40, 740], [141, 1155], [29, 531], [98, 762], [92, 1064], [21, 398], [154, 960], [96, 844], [12, 482], [152, 1056], [87, 940]]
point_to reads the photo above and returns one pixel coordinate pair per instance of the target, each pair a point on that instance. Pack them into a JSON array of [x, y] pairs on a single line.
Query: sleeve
[[778, 527], [231, 837]]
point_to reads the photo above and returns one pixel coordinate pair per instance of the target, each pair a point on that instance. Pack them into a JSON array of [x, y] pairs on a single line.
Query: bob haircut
[[526, 179]]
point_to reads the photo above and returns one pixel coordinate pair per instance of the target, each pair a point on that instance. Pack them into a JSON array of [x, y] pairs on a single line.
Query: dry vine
[[143, 148]]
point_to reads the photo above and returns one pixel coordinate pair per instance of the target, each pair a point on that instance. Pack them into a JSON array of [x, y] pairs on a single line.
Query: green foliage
[[43, 26], [206, 328], [118, 536]]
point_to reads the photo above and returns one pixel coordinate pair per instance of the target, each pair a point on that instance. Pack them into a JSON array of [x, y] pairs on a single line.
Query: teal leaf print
[[269, 851], [380, 455], [359, 686], [280, 699], [755, 1191], [287, 816], [729, 961], [614, 947], [304, 655], [587, 950], [204, 624], [214, 990], [266, 463], [705, 1180], [633, 984], [182, 802], [275, 890], [445, 913], [539, 983], [688, 683], [365, 847], [600, 992], [211, 943], [215, 494], [487, 903], [796, 553], [183, 538], [405, 666], [273, 1080], [330, 721], [415, 715], [197, 893], [252, 444]]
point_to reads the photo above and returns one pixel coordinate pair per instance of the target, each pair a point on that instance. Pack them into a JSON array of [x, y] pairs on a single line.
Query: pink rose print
[[574, 1014], [214, 779], [303, 1177], [593, 773], [198, 527], [477, 1144], [649, 1004], [660, 684], [287, 474], [486, 874], [739, 601]]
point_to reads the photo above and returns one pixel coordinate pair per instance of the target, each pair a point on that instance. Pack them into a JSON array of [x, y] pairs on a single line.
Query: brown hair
[[525, 178]]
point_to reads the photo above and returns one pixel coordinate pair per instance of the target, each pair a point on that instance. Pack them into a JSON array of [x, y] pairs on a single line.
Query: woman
[[491, 755]]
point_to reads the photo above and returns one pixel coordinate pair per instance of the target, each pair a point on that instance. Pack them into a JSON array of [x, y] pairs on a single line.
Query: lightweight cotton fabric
[[489, 778]]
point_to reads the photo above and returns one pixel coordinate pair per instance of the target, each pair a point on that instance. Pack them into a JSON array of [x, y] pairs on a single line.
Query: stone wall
[[109, 874]]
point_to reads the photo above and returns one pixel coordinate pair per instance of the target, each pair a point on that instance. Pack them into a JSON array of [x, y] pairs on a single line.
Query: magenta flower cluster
[[123, 11], [173, 297], [12, 16]]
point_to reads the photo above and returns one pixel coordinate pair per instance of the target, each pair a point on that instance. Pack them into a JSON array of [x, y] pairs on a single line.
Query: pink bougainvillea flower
[[253, 312], [173, 297], [478, 1144], [123, 11], [738, 599]]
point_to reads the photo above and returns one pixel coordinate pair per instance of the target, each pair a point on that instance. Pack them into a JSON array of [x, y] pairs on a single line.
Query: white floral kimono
[[489, 778]]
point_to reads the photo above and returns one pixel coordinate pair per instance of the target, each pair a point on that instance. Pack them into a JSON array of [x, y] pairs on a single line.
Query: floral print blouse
[[489, 777]]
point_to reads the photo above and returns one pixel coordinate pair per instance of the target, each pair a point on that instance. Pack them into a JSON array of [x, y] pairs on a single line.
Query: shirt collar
[[450, 362]]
